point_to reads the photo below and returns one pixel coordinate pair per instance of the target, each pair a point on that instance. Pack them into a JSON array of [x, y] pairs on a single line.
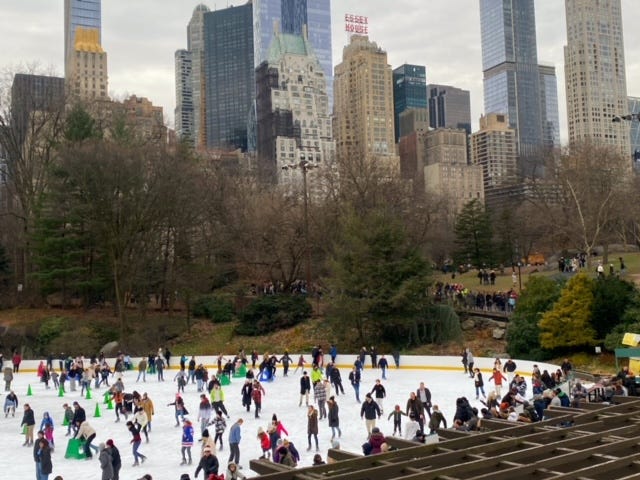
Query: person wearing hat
[[233, 472], [208, 464], [185, 476], [116, 461], [106, 462]]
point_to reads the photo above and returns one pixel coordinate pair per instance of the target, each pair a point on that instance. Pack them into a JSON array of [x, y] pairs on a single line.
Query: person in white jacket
[[87, 433]]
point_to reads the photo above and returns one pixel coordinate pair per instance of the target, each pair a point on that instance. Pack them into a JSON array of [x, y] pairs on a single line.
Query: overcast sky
[[141, 36]]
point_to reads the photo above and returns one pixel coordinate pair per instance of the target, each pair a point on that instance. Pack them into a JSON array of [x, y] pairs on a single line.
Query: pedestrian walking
[[312, 427], [305, 388], [136, 440], [28, 424], [42, 457], [106, 462]]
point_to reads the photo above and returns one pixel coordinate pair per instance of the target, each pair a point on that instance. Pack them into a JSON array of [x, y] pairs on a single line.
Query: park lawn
[[504, 281]]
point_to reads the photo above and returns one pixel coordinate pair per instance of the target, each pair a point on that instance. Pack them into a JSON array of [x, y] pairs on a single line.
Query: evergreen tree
[[378, 280], [612, 297], [474, 234], [568, 323]]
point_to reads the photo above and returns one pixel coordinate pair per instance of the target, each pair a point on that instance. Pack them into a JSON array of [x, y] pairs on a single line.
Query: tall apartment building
[[293, 114], [409, 91], [288, 16], [184, 111], [196, 46], [595, 77], [363, 104], [86, 73], [229, 76], [447, 171], [449, 107], [512, 78], [494, 148]]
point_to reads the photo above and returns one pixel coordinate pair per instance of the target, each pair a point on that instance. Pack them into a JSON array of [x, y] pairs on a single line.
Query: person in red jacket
[[497, 378], [265, 443], [256, 396]]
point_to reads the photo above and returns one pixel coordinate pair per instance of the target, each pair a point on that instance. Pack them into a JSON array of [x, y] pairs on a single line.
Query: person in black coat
[[305, 388], [42, 457], [336, 380], [208, 463], [247, 389], [28, 422], [116, 461]]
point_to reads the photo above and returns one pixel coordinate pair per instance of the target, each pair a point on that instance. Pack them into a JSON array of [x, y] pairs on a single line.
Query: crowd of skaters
[[320, 387]]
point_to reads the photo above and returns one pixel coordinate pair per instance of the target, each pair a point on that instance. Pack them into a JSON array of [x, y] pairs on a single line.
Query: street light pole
[[305, 166]]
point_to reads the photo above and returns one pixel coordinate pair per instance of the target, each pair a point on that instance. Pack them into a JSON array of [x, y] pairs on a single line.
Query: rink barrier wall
[[407, 362]]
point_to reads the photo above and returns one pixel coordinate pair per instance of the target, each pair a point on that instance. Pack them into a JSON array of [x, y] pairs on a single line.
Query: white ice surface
[[163, 449]]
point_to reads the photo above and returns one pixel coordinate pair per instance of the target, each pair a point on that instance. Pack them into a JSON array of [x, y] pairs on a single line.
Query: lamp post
[[304, 165]]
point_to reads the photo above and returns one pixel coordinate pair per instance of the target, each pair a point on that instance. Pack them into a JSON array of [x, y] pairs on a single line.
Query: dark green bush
[[214, 307], [276, 312]]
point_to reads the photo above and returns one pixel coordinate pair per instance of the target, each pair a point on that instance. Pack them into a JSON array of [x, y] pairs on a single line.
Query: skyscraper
[[289, 16], [86, 14], [549, 98], [595, 76], [510, 67], [363, 104], [449, 107], [409, 91], [196, 45], [293, 115], [184, 95], [229, 75], [86, 74]]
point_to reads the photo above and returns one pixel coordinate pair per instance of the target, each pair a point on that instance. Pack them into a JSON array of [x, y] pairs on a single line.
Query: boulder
[[498, 333]]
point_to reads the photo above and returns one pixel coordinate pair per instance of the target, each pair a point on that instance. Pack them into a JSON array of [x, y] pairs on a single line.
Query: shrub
[[276, 312], [50, 329], [213, 307]]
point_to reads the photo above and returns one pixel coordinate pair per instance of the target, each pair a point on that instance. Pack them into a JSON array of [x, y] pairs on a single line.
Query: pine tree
[[568, 323], [474, 236]]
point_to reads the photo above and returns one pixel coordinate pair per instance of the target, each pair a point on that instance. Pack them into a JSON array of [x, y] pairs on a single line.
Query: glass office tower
[[229, 74], [510, 67], [409, 91], [449, 107]]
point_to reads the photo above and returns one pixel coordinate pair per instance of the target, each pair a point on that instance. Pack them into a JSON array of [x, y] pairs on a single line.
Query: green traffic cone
[[88, 396], [29, 392], [110, 405], [61, 391], [96, 414], [65, 422], [107, 397]]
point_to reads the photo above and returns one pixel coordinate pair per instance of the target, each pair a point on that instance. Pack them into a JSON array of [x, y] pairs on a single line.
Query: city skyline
[[444, 35]]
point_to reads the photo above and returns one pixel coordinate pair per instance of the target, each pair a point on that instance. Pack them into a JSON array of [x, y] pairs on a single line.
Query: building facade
[[363, 104], [184, 111], [549, 98], [86, 14], [494, 148], [511, 71], [409, 91], [447, 171], [229, 76], [86, 72], [449, 107], [288, 16], [293, 114], [595, 77], [196, 46]]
